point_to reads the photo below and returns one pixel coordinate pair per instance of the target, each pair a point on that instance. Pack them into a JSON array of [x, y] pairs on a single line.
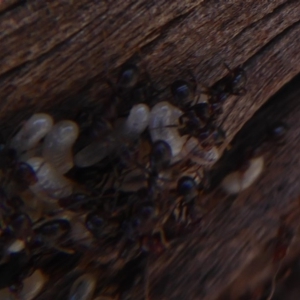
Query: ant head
[[277, 131], [160, 156], [181, 91], [186, 185], [128, 76]]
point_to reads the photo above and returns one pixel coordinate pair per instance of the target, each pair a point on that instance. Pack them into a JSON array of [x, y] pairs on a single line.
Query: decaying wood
[[57, 53]]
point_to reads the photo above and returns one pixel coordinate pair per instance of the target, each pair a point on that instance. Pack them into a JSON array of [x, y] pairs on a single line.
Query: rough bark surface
[[58, 53]]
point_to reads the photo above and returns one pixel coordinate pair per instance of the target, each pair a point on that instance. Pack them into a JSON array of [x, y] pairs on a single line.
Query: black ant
[[131, 89], [232, 84], [198, 119], [128, 77], [182, 92]]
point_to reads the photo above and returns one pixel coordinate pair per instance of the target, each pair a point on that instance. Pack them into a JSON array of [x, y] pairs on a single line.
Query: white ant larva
[[57, 147], [95, 152], [126, 132], [50, 182], [238, 181], [136, 122], [32, 132], [164, 118]]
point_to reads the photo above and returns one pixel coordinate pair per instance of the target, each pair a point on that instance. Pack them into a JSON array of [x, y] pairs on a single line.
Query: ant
[[182, 92], [197, 120], [232, 84], [130, 89], [20, 172]]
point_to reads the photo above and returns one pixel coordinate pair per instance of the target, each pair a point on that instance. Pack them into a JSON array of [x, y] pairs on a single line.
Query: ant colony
[[85, 201]]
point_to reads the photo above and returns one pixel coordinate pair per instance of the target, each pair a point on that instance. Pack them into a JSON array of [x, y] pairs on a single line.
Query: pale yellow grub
[[236, 182]]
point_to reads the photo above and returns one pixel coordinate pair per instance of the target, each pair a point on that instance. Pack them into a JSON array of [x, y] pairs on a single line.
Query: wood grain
[[235, 234], [57, 54]]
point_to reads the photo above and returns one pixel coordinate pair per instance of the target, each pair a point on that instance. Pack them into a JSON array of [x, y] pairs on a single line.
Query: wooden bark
[[56, 55]]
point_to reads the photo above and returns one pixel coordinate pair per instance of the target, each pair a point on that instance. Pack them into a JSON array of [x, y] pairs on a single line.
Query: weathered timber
[[56, 53]]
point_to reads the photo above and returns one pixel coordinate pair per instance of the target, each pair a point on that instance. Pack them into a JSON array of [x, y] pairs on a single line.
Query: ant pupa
[[240, 180], [57, 147], [33, 130], [50, 183], [136, 122]]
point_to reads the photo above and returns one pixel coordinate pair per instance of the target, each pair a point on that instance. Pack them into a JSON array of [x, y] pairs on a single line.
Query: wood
[[235, 234], [56, 55]]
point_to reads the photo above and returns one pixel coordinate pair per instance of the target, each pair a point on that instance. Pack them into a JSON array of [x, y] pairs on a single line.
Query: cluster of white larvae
[[49, 159], [48, 148]]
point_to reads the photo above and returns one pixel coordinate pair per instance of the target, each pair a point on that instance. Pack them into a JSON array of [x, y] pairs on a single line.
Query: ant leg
[[228, 68], [195, 87]]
